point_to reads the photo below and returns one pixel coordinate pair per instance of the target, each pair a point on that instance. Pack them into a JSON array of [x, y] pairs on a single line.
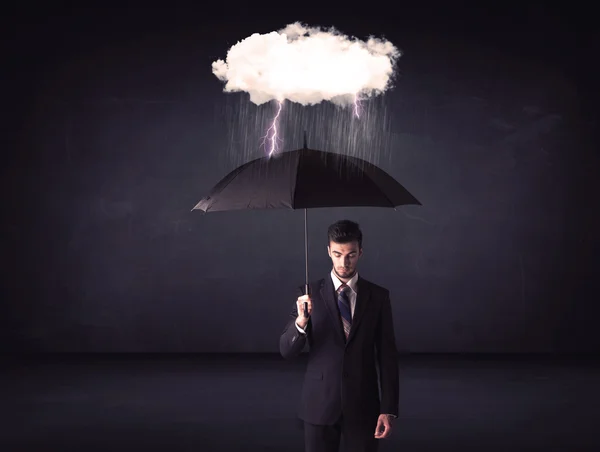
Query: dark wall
[[119, 130]]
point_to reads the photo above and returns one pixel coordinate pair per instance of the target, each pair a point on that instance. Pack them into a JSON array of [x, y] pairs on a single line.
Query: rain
[[329, 127]]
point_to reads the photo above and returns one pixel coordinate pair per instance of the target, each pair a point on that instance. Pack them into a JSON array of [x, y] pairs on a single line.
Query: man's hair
[[344, 231]]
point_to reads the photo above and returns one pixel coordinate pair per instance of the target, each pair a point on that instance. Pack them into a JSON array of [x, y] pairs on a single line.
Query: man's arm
[[293, 338], [387, 357]]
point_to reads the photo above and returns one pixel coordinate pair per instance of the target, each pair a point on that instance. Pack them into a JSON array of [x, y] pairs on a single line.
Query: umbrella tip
[[305, 144]]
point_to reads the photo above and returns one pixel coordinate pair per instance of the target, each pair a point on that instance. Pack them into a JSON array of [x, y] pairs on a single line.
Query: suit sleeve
[[387, 357], [292, 340]]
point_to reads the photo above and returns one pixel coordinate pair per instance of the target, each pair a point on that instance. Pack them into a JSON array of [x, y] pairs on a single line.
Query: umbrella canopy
[[303, 179]]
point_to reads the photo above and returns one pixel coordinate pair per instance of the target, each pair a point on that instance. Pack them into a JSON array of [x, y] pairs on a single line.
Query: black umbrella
[[303, 179]]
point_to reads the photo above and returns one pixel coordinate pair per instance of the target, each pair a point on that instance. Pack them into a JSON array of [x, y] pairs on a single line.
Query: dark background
[[116, 127]]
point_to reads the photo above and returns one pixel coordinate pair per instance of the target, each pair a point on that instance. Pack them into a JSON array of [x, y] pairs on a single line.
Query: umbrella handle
[[306, 303]]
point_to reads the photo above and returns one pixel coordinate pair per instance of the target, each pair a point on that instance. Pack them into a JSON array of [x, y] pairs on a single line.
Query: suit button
[[345, 374]]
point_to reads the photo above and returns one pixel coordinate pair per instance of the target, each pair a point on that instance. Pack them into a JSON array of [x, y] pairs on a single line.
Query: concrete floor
[[247, 402]]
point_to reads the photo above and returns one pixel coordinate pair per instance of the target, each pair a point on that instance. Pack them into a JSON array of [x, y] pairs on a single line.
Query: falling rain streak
[[329, 128]]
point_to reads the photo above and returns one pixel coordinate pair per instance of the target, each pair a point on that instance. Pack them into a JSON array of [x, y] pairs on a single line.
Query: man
[[350, 334]]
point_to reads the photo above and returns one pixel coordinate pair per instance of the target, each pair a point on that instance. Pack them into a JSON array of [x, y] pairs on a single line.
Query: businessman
[[351, 384]]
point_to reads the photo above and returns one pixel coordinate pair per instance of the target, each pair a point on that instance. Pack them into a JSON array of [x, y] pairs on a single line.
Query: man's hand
[[384, 426], [302, 320]]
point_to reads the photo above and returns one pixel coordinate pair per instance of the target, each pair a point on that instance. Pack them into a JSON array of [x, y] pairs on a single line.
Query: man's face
[[344, 257]]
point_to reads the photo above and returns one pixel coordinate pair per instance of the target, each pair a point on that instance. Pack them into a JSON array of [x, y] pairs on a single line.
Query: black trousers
[[354, 437]]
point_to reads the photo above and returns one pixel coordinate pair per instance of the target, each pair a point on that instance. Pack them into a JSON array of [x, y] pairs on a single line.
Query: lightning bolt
[[356, 106], [271, 137]]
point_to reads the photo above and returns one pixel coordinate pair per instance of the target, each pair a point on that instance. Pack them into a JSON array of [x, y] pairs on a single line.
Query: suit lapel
[[362, 299], [327, 294]]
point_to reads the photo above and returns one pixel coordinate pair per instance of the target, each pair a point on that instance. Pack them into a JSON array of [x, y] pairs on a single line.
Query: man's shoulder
[[373, 287]]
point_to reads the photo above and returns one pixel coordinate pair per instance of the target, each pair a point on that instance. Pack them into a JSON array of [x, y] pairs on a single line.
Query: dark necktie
[[344, 305]]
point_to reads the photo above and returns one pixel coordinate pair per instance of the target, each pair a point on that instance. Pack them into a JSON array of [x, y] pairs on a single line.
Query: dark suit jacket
[[341, 376]]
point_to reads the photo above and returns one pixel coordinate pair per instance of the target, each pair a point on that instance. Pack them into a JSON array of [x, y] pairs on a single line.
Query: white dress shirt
[[351, 293]]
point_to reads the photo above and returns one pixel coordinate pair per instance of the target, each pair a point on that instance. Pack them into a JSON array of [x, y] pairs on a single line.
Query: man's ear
[[328, 251]]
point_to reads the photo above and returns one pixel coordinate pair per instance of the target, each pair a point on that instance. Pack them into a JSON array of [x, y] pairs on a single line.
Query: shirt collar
[[337, 283]]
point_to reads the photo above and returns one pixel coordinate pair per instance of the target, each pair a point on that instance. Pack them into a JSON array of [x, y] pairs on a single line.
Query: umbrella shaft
[[306, 249]]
